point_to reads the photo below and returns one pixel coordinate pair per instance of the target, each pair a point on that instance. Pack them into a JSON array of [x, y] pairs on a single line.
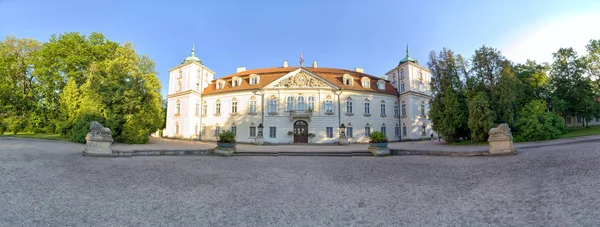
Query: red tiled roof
[[268, 75]]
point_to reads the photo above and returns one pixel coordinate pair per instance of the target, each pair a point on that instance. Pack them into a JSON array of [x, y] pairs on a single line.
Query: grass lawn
[[467, 142], [45, 136], [576, 132]]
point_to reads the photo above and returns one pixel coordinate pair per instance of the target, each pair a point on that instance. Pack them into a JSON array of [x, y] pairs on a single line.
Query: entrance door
[[300, 132]]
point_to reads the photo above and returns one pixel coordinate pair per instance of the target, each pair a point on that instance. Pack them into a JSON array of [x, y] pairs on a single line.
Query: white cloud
[[538, 43]]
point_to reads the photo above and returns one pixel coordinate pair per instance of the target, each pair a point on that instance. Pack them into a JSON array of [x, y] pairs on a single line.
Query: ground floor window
[[196, 130], [234, 130], [272, 132], [329, 132], [597, 119], [203, 130], [177, 129], [349, 132], [252, 131], [217, 130], [367, 131], [568, 120], [423, 128], [397, 131], [403, 130], [383, 129], [579, 119]]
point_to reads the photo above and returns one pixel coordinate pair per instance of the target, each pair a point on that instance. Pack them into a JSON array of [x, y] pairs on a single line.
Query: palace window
[[420, 75], [397, 131], [348, 80], [422, 109], [367, 131], [311, 103], [234, 105], [203, 132], [217, 130], [367, 107], [382, 108], [197, 108], [196, 129], [568, 120], [349, 132], [176, 127], [220, 84], [254, 80], [218, 107], [272, 105], [423, 130], [289, 103], [204, 108], [180, 74], [396, 110], [272, 132], [252, 131], [178, 107], [579, 119], [403, 130], [236, 81], [381, 85], [252, 108], [234, 130], [349, 105], [366, 83], [328, 106], [329, 131], [401, 74], [179, 85], [383, 130], [403, 109], [421, 87], [300, 105], [402, 86]]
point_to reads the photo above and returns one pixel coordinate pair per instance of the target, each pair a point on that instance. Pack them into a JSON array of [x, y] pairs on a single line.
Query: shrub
[[377, 137], [311, 135], [226, 137], [290, 133], [14, 124], [77, 132], [536, 123]]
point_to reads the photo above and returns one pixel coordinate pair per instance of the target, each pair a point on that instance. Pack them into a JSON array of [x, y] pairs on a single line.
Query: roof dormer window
[[366, 82], [220, 84], [348, 80], [381, 85], [254, 79], [236, 81]]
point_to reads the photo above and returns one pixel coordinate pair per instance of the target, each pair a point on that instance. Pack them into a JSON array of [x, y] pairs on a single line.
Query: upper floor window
[[252, 108], [254, 79], [180, 74], [402, 86], [272, 105], [382, 108], [367, 107], [204, 108], [197, 108], [401, 74], [179, 85], [289, 103], [234, 105], [421, 87], [420, 75], [328, 106], [349, 105], [220, 84], [311, 103], [218, 107], [422, 109], [396, 110], [300, 105], [178, 107], [403, 109]]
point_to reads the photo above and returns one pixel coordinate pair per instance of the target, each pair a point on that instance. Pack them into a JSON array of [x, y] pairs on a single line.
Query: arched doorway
[[300, 132]]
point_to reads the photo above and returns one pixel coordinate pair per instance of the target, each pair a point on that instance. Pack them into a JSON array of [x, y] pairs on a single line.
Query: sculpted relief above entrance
[[301, 79]]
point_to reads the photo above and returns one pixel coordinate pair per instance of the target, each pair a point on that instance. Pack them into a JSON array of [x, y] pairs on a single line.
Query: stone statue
[[98, 140], [500, 140]]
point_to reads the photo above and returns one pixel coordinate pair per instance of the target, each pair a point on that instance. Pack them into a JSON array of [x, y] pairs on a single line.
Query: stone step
[[304, 153]]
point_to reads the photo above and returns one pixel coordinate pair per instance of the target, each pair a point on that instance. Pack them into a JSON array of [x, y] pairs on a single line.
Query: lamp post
[[260, 130]]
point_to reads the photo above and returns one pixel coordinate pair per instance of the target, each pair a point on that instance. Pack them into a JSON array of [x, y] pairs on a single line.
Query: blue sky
[[338, 34]]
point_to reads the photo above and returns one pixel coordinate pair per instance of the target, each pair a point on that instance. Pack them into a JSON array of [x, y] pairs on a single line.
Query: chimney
[[285, 65], [360, 70], [241, 69], [314, 64]]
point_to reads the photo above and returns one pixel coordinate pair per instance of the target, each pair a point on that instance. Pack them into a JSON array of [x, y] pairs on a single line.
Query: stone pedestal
[[225, 151], [344, 141], [379, 151], [98, 141], [500, 140], [259, 140]]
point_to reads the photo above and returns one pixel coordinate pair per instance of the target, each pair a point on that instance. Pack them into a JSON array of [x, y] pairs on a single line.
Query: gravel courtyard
[[49, 183]]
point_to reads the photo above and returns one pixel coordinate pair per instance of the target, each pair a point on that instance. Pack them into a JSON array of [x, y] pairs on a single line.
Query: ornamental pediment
[[301, 79]]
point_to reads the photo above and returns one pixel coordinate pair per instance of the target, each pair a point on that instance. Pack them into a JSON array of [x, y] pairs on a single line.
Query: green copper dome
[[407, 58], [192, 57]]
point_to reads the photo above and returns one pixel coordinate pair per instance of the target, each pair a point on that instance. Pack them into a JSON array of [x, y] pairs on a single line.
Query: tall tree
[[480, 117], [448, 107]]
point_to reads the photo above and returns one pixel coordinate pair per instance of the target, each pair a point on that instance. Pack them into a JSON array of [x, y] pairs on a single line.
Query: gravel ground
[[49, 183]]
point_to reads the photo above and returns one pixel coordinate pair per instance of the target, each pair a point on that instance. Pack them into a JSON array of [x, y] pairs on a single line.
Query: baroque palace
[[300, 101]]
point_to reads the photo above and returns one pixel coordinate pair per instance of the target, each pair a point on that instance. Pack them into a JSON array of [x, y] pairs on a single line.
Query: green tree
[[448, 107], [480, 117], [537, 123]]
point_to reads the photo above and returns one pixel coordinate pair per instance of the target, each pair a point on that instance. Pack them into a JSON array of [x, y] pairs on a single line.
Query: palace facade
[[298, 100]]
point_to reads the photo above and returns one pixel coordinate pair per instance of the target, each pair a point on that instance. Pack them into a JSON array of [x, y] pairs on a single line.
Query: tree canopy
[[63, 84]]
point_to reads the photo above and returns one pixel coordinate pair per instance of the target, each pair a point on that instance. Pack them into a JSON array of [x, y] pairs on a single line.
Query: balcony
[[299, 114]]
